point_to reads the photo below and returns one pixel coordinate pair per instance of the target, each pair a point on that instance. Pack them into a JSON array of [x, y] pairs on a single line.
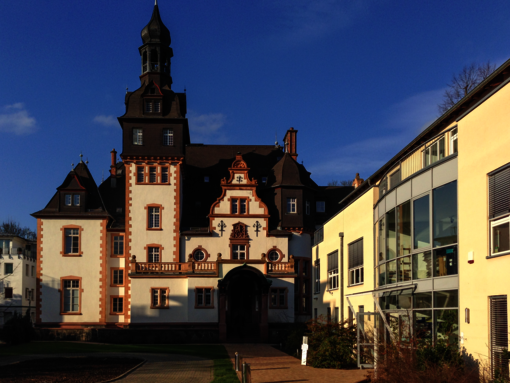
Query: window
[[333, 270], [453, 141], [307, 208], [137, 136], [356, 271], [152, 175], [140, 176], [499, 335], [239, 205], [328, 314], [5, 245], [72, 241], [317, 276], [76, 200], [278, 298], [273, 256], [264, 180], [168, 137], [391, 235], [239, 252], [153, 255], [117, 305], [206, 179], [118, 245], [164, 175], [318, 236], [291, 205], [499, 209], [404, 228], [68, 199], [434, 152], [148, 106], [445, 214], [204, 297], [154, 218], [421, 222], [8, 292], [117, 277], [27, 293], [157, 106], [199, 255], [422, 265], [320, 206], [33, 271], [71, 295], [159, 297], [26, 270], [445, 261]]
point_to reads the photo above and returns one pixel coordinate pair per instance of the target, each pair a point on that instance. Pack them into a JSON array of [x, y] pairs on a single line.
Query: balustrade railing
[[280, 267], [173, 267]]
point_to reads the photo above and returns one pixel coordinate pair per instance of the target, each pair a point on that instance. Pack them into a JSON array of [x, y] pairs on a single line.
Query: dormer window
[[137, 136], [148, 106], [76, 200], [152, 106], [206, 179], [68, 199], [264, 180], [168, 137], [152, 91], [320, 206]]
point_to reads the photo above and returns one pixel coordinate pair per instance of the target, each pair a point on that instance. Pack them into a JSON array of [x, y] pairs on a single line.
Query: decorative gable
[[239, 231]]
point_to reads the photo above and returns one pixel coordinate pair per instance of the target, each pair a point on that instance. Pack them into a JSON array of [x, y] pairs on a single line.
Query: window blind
[[356, 254], [333, 261], [499, 192], [499, 334]]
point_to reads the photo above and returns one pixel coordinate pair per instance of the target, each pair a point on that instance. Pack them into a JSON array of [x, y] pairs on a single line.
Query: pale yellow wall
[[355, 221], [55, 266], [484, 145], [141, 196]]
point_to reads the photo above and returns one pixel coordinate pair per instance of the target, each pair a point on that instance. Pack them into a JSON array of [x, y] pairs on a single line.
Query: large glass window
[[446, 325], [422, 301], [391, 235], [404, 269], [500, 231], [423, 324], [447, 298], [445, 261], [382, 240], [382, 275], [499, 207], [421, 222], [445, 214], [137, 136], [72, 241], [71, 299], [422, 265], [391, 270], [404, 228]]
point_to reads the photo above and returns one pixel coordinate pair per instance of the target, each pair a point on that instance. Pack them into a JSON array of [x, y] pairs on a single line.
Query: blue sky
[[357, 79]]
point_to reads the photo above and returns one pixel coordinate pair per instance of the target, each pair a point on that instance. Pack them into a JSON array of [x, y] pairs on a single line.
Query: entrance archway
[[243, 308]]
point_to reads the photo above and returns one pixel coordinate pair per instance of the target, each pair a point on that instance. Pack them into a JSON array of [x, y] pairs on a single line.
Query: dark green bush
[[18, 329], [331, 345]]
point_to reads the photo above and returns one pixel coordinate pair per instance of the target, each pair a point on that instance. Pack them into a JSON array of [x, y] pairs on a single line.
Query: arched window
[[144, 62], [273, 256], [154, 60], [199, 255]]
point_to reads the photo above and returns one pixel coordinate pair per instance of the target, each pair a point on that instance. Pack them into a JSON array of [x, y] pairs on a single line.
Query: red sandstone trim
[[127, 244], [177, 212], [38, 285], [103, 272]]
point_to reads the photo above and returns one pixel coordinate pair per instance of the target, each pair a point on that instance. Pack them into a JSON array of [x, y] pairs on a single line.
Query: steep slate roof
[[213, 161], [114, 197], [78, 179], [287, 172]]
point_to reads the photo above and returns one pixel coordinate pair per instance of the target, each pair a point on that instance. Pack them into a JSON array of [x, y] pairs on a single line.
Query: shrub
[[18, 329], [331, 345]]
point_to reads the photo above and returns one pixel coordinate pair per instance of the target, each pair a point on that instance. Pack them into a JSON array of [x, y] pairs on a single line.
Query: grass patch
[[223, 369]]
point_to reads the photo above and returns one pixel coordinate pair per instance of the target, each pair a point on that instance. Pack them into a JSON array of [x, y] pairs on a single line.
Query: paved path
[[158, 368], [271, 365]]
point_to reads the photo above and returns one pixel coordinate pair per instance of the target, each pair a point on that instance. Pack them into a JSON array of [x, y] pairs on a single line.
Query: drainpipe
[[341, 235]]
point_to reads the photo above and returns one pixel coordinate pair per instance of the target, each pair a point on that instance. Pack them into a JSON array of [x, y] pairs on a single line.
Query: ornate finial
[[184, 88], [127, 89], [155, 2], [87, 162], [72, 166], [81, 158]]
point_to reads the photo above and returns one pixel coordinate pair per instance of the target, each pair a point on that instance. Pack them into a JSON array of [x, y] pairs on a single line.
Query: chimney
[[113, 166], [290, 142], [357, 181]]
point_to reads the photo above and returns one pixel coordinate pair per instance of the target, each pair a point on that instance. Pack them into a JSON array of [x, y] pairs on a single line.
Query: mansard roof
[[77, 180], [214, 161], [287, 172], [113, 194]]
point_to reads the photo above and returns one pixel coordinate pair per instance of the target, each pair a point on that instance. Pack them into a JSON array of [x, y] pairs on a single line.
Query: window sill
[[122, 285], [117, 314], [357, 284], [502, 254], [116, 256], [154, 229], [72, 255], [333, 289], [160, 307], [71, 313], [204, 307]]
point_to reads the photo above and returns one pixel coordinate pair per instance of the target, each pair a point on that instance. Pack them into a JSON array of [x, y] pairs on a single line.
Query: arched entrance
[[243, 308]]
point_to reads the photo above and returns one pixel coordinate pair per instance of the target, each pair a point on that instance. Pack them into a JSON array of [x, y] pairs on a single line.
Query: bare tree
[[340, 183], [464, 82], [14, 228]]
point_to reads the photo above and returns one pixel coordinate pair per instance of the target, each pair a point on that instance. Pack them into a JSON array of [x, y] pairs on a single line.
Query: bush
[[18, 329], [331, 345]]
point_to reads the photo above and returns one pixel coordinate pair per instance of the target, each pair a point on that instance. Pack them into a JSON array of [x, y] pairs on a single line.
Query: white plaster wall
[[283, 315], [221, 244], [202, 315], [141, 311], [254, 207], [55, 266], [141, 196]]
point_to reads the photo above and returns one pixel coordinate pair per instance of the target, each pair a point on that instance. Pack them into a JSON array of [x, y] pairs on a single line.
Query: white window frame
[[494, 223], [352, 275], [168, 137], [203, 293], [118, 307], [68, 199], [154, 217], [291, 205], [118, 274], [237, 251], [159, 297], [71, 291], [153, 253], [453, 138], [74, 234], [426, 152], [76, 199], [137, 136], [320, 206], [333, 279]]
